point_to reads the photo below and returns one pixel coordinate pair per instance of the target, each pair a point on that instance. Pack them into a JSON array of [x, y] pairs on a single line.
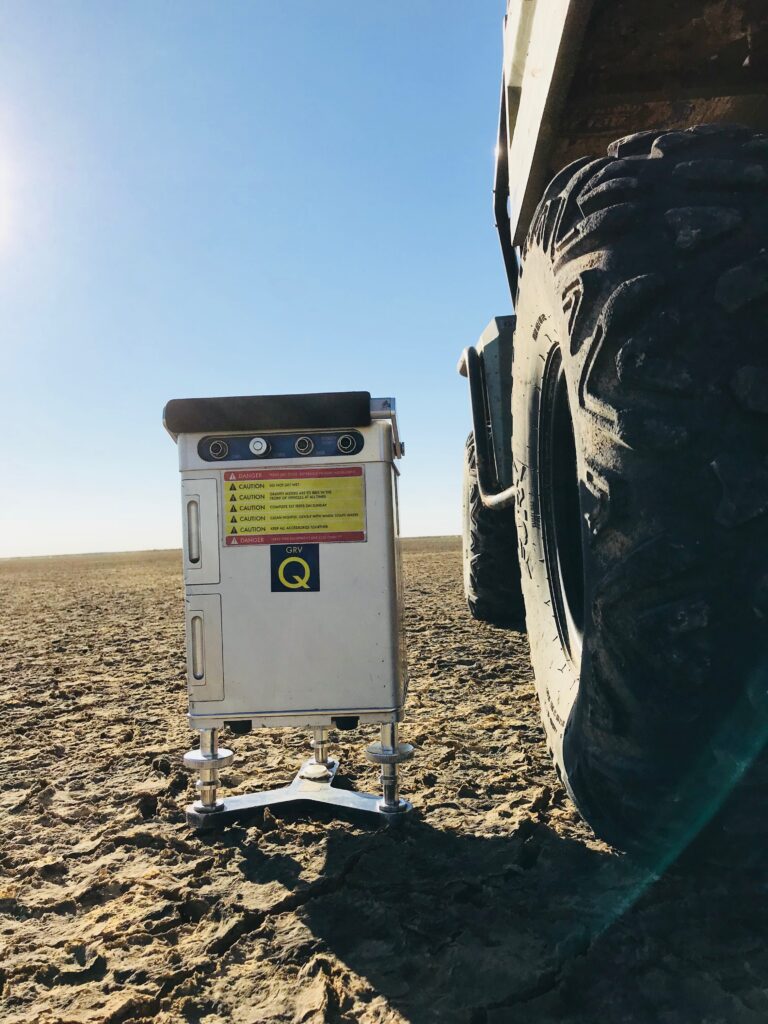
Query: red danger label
[[293, 474]]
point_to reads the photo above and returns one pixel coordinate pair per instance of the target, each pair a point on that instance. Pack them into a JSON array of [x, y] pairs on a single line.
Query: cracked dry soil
[[494, 904]]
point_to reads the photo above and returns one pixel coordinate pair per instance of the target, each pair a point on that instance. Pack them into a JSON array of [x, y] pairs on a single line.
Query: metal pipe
[[509, 251], [320, 745], [487, 482], [389, 785], [209, 773]]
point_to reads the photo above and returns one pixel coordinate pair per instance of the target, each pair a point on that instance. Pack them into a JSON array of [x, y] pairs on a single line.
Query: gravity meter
[[292, 583]]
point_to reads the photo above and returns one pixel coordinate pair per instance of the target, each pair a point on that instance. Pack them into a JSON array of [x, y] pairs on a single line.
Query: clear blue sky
[[213, 198]]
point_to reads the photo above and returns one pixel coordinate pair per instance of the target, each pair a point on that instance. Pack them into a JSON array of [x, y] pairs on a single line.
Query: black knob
[[218, 449]]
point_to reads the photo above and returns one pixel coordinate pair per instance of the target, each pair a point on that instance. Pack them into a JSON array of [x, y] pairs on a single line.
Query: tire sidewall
[[540, 331]]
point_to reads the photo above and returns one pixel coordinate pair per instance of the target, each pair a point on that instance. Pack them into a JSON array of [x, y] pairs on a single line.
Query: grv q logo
[[294, 568]]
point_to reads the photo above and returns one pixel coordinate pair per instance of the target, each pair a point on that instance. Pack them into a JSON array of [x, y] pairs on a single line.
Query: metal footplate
[[312, 784]]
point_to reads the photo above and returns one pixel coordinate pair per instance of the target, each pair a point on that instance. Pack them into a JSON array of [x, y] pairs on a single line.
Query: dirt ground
[[494, 904]]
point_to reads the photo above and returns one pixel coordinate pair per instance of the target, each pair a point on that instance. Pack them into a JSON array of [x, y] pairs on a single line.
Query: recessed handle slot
[[193, 531], [200, 530], [198, 650], [205, 655]]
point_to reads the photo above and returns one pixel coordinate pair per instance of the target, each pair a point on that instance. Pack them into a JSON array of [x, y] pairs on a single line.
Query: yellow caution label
[[268, 506]]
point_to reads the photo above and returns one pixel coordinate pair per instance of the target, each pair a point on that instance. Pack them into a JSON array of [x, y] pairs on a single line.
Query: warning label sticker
[[284, 506]]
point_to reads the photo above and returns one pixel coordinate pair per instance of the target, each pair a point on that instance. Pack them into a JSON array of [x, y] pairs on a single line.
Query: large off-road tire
[[640, 445], [489, 553]]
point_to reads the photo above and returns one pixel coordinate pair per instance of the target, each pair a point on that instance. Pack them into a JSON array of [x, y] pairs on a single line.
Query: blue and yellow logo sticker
[[295, 568]]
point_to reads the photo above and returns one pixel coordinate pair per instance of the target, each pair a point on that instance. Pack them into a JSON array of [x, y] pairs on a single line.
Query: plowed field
[[494, 904]]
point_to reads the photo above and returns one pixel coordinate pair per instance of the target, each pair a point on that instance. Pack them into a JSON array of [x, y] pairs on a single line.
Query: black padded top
[[327, 411]]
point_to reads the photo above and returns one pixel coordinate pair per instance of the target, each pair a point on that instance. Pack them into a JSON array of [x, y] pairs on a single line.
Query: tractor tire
[[640, 448], [489, 555]]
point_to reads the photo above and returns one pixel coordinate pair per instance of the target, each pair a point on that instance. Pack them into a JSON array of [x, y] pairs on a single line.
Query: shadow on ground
[[532, 927]]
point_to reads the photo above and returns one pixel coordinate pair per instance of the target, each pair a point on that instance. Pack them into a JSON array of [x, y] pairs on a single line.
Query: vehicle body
[[578, 74], [673, 219]]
